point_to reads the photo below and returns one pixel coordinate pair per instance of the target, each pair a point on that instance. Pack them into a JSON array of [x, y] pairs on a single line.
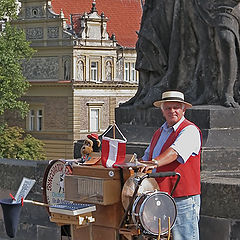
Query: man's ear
[[98, 143], [91, 143]]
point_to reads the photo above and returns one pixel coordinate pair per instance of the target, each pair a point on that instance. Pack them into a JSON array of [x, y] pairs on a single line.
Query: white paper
[[25, 187]]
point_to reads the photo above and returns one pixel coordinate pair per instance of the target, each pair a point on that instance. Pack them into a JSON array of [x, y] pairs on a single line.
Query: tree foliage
[[13, 50], [8, 8], [15, 143]]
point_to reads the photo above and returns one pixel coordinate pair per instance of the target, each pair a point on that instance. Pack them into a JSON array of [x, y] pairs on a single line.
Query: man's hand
[[163, 159], [150, 165]]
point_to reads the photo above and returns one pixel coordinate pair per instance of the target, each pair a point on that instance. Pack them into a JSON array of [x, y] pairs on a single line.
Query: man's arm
[[164, 158]]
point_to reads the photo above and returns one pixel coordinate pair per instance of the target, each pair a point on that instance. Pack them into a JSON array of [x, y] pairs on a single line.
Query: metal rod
[[36, 203], [114, 130], [169, 230], [159, 229]]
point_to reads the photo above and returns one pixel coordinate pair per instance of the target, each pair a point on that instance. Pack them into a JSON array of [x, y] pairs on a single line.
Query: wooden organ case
[[102, 187]]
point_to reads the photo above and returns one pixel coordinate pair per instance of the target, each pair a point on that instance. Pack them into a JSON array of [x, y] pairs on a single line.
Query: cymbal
[[148, 184]]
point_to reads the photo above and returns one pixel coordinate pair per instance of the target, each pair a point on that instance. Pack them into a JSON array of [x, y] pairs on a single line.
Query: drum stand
[[132, 231]]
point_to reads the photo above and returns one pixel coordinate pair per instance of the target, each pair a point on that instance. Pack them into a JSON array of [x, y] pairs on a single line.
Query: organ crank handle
[[165, 174]]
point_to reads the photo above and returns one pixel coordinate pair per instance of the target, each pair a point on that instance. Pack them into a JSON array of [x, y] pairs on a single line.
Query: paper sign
[[24, 189]]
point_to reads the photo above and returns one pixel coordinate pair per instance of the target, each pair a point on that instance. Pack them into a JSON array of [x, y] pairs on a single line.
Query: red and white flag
[[113, 150]]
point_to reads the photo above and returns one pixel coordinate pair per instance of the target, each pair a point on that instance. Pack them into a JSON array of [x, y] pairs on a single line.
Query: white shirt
[[187, 143]]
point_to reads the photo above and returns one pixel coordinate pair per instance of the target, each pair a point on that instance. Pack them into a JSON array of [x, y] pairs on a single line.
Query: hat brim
[[159, 103]]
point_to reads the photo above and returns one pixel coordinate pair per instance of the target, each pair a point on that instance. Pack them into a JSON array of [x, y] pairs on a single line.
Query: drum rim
[[134, 207], [141, 210]]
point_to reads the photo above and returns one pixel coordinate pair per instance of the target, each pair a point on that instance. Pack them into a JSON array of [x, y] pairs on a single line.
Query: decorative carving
[[34, 12], [66, 35], [51, 14], [53, 32], [34, 33], [41, 68]]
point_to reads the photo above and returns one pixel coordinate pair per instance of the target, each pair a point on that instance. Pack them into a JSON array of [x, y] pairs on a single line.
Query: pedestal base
[[220, 128]]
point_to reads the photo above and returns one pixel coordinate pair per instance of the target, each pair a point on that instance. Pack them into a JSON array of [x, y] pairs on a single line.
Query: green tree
[[18, 145], [13, 50]]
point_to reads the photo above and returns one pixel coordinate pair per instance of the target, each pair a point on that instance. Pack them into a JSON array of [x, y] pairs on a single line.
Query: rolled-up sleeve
[[146, 154], [187, 143]]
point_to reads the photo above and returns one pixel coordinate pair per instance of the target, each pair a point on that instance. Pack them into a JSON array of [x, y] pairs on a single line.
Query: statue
[[80, 71], [66, 67], [191, 46], [108, 71]]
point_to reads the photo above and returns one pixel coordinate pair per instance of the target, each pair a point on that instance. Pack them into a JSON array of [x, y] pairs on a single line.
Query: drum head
[[148, 184], [157, 206]]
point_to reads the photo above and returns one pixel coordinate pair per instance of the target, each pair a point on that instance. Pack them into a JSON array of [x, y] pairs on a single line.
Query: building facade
[[80, 73]]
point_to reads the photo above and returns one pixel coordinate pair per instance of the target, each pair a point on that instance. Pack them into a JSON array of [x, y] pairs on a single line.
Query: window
[[126, 72], [94, 120], [133, 72], [94, 71], [39, 120], [130, 74], [35, 120], [94, 116], [31, 120]]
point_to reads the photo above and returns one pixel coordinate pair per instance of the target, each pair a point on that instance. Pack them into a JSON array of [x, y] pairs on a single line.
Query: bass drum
[[149, 207]]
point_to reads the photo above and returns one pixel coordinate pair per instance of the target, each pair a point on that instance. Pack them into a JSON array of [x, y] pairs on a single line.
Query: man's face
[[173, 112]]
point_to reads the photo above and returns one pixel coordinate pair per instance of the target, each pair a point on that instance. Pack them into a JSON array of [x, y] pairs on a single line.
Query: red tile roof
[[124, 16]]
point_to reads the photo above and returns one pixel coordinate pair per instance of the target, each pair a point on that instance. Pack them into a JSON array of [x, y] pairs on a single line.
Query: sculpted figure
[[224, 17], [108, 71], [67, 69], [192, 46], [80, 71]]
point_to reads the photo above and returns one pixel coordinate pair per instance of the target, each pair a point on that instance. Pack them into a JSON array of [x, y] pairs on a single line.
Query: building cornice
[[104, 85], [51, 83], [89, 85]]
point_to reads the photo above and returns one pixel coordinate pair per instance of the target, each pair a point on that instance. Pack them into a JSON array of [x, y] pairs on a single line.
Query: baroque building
[[84, 67]]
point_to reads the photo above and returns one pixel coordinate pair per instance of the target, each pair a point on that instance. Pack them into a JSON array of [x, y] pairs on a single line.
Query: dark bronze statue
[[191, 46]]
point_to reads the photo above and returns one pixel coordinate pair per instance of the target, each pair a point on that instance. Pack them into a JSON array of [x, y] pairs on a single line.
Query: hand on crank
[[150, 165]]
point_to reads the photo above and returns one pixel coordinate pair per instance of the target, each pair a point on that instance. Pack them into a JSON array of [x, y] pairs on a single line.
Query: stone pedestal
[[220, 128], [220, 175]]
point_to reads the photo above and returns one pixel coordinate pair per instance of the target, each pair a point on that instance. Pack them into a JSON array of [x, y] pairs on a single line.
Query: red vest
[[189, 183]]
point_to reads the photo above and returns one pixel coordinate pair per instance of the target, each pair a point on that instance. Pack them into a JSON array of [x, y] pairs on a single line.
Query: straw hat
[[172, 96]]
